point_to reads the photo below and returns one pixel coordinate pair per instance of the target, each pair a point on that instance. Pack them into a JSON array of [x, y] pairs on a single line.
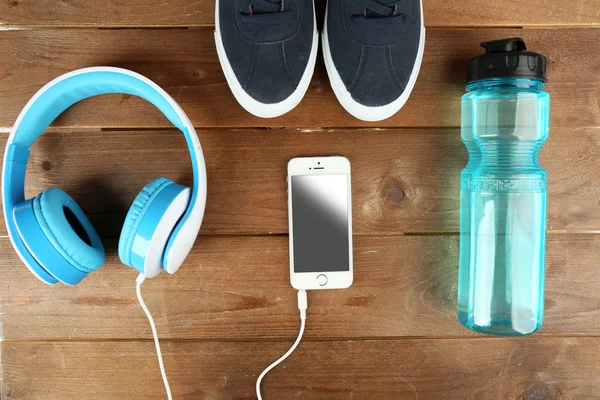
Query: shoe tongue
[[373, 14], [383, 9], [266, 7]]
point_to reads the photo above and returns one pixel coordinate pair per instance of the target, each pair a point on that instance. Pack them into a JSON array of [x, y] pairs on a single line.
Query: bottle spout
[[504, 45], [506, 58]]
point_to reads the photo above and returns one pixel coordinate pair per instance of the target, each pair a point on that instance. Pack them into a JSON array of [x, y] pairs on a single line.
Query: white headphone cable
[[302, 306], [138, 288]]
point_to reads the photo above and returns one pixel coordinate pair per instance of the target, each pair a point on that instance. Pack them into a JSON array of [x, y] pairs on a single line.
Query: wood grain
[[237, 288], [404, 181], [184, 62], [231, 311], [182, 13], [482, 369]]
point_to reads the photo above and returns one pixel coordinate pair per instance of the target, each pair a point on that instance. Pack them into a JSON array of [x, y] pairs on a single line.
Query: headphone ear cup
[[149, 223], [59, 235]]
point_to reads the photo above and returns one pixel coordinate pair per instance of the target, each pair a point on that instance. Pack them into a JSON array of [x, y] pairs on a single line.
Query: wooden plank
[[184, 62], [483, 369], [235, 288], [182, 13], [413, 186]]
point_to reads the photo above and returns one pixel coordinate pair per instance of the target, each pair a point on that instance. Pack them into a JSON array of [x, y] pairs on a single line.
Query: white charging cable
[[138, 288], [302, 306]]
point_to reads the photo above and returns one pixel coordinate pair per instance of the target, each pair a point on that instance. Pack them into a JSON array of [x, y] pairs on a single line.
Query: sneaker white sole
[[360, 111], [253, 106]]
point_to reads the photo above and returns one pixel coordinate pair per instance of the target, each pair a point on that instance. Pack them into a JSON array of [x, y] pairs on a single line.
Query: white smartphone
[[320, 218]]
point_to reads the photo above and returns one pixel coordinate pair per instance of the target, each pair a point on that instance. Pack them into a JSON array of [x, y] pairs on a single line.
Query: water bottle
[[505, 119]]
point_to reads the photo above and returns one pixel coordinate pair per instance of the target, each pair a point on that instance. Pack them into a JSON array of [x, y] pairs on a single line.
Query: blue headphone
[[50, 232]]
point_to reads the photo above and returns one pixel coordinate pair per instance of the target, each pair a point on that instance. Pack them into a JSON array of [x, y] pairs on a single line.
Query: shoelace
[[378, 9], [266, 12]]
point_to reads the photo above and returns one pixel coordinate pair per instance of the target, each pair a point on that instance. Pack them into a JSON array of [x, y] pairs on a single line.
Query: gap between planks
[[212, 26], [475, 336], [377, 235], [238, 129]]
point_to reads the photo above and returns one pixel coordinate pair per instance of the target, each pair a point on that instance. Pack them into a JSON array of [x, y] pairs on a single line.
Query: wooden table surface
[[230, 310]]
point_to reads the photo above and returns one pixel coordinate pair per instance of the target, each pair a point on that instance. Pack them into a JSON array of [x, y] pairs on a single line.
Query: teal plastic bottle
[[505, 121]]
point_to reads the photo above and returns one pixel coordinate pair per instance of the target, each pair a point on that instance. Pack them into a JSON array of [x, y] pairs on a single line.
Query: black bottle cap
[[506, 58]]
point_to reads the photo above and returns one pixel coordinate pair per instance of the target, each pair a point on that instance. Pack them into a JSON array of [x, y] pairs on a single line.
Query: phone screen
[[320, 223]]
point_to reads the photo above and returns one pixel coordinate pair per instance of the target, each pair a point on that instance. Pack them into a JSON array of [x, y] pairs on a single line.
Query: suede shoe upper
[[374, 46], [268, 44]]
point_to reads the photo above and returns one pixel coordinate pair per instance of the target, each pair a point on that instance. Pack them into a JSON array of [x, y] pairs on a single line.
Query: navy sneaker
[[373, 51], [267, 49]]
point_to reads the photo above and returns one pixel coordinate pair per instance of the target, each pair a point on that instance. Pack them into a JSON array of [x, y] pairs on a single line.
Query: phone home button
[[322, 279]]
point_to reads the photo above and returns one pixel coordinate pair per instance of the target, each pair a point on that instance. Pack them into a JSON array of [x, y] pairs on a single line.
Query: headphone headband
[[61, 93]]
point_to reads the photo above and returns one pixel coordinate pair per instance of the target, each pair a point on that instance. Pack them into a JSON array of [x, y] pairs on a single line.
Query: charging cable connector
[[302, 306]]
